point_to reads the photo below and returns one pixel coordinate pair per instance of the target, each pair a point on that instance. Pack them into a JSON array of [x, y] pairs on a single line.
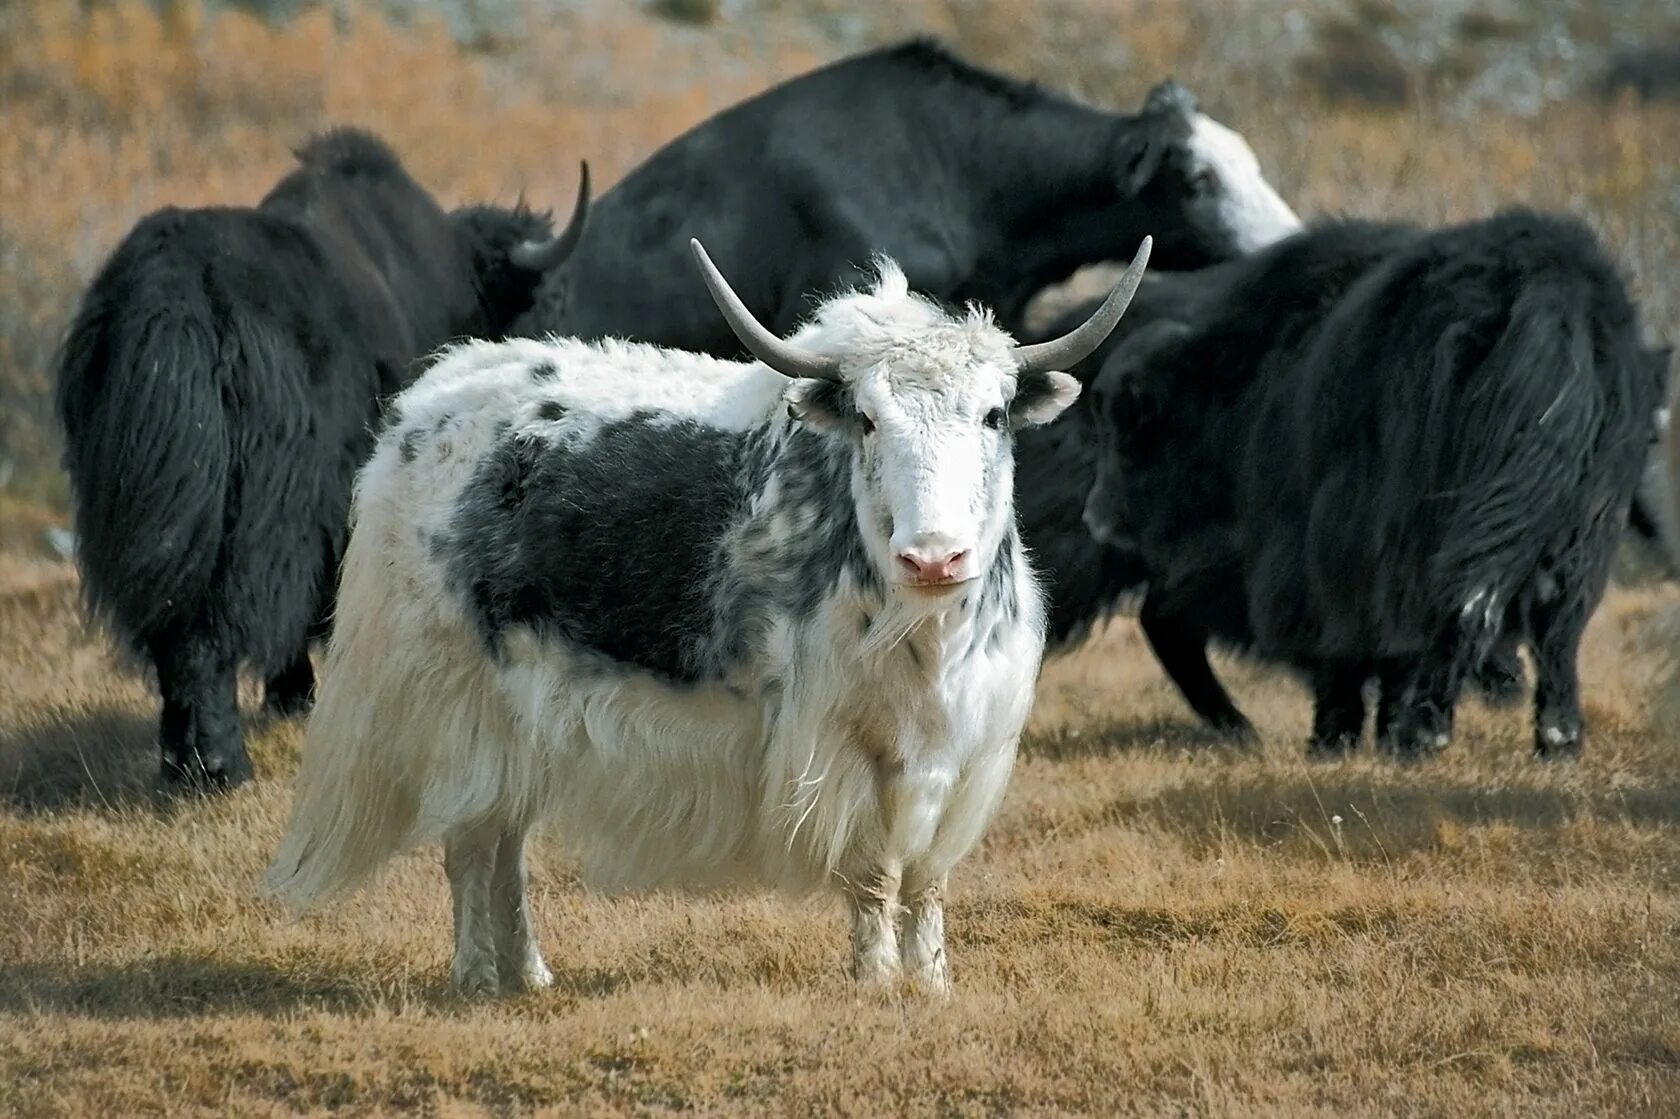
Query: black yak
[[1380, 453], [1085, 579], [218, 389], [981, 188]]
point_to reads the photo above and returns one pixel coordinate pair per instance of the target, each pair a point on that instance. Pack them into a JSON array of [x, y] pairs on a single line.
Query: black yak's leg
[[1392, 678], [291, 691], [1559, 605], [1558, 626], [1182, 650], [1419, 702], [1499, 675], [200, 733], [1338, 708], [1642, 521]]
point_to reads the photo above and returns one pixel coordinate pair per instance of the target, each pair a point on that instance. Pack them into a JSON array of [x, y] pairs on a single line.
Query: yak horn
[[1082, 341], [540, 256], [784, 357]]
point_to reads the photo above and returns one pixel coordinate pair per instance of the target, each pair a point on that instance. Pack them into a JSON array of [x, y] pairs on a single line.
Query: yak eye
[[866, 423], [994, 419], [1205, 183]]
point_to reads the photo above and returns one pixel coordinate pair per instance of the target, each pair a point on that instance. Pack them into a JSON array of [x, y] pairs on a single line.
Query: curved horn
[[1082, 341], [540, 256], [784, 357]]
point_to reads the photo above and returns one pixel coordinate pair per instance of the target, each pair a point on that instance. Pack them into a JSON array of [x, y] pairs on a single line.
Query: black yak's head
[[512, 249], [492, 233]]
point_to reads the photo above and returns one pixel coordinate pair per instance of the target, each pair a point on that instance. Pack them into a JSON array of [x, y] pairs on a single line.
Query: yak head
[[924, 403], [1199, 181], [511, 249]]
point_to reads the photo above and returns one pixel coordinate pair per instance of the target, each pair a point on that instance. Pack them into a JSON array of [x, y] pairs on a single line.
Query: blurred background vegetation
[[1406, 108]]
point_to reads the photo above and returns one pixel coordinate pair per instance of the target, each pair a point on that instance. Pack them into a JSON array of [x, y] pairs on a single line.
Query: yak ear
[[819, 405], [1141, 153], [1040, 397]]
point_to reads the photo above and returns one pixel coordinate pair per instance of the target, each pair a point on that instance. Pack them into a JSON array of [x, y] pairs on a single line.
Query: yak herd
[[743, 571]]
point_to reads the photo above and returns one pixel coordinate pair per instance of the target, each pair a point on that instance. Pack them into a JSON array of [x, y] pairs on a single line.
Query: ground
[[1154, 925]]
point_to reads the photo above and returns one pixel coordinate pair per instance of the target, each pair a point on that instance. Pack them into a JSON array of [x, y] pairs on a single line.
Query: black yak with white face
[[219, 387], [981, 187], [1381, 452]]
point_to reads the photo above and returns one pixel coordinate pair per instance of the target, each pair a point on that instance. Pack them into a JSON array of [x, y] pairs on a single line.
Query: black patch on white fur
[[409, 446], [637, 544], [544, 371], [551, 410]]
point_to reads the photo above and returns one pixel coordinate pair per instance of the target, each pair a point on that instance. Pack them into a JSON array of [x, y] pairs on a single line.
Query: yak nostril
[[910, 563]]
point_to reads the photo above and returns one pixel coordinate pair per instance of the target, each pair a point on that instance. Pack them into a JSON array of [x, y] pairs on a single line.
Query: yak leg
[[519, 962], [1392, 677], [291, 691], [199, 733], [469, 860], [874, 899], [921, 939], [1499, 675], [1338, 708], [1182, 650], [1557, 628], [1417, 709]]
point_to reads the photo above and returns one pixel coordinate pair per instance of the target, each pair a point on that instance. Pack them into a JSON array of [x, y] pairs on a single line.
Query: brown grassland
[[1152, 926]]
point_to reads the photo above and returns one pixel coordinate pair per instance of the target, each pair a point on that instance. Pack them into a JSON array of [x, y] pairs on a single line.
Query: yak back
[[1178, 390], [1474, 407], [792, 191], [405, 270]]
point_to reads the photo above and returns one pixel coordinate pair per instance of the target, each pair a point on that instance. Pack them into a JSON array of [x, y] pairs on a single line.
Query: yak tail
[[356, 801], [149, 453], [1521, 445]]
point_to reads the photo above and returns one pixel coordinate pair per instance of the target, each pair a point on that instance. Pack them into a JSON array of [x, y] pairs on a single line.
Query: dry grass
[[1152, 927]]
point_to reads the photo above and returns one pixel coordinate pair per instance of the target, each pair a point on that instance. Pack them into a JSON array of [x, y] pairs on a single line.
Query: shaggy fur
[[652, 596], [1382, 482], [218, 389], [982, 188]]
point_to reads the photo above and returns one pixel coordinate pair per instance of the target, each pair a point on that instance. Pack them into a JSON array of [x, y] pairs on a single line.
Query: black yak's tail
[[149, 454], [1542, 451]]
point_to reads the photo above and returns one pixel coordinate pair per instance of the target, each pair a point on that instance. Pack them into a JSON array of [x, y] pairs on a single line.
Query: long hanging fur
[[186, 425], [219, 386]]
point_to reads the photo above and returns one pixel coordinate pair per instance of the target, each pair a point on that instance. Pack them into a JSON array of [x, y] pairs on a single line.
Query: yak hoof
[[533, 977], [1557, 740], [1417, 744]]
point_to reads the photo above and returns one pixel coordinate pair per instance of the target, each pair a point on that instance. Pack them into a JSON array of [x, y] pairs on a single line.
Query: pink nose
[[929, 567]]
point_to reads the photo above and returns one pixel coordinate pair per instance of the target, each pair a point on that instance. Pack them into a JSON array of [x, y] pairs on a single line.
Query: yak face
[[489, 235], [1135, 423], [1203, 178], [927, 405]]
